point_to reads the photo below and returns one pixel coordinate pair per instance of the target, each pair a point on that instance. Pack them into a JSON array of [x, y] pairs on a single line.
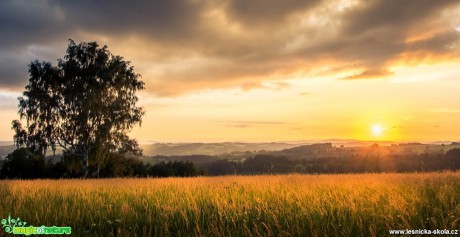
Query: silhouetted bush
[[222, 167], [23, 164], [174, 169], [119, 166], [454, 158], [267, 164]]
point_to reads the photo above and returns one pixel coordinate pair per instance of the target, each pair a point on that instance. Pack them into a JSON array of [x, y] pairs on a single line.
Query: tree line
[[352, 163], [24, 163]]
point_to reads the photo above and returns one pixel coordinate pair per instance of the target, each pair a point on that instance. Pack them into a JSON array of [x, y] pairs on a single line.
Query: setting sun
[[377, 130]]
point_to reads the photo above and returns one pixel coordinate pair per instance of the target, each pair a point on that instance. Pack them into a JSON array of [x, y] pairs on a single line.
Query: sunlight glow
[[377, 130]]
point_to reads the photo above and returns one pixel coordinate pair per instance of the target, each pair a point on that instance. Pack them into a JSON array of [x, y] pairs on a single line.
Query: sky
[[259, 70]]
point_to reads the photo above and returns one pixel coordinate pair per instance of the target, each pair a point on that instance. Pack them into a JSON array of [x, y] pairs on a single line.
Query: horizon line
[[308, 141]]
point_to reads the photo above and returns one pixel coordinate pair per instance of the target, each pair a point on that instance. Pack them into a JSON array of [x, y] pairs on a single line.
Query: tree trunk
[[84, 162]]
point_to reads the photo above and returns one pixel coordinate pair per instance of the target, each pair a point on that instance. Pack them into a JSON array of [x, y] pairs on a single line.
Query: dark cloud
[[265, 13], [14, 63], [24, 23], [375, 32], [241, 43], [13, 73], [445, 42], [166, 20], [392, 15]]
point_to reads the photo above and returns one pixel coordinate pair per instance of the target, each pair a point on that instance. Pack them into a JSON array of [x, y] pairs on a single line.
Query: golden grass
[[278, 205]]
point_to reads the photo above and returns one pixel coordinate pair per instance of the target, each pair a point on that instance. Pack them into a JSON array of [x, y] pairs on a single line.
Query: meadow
[[270, 205]]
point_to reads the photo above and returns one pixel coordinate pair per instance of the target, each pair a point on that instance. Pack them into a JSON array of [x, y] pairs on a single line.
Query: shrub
[[23, 163]]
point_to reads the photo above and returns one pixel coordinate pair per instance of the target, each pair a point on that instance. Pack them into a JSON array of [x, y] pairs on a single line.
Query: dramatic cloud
[[266, 12], [379, 31], [181, 46]]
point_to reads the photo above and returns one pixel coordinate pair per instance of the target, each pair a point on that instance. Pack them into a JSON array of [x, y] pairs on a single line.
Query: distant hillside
[[307, 151], [351, 142], [239, 150], [6, 143], [187, 149], [210, 149], [5, 150]]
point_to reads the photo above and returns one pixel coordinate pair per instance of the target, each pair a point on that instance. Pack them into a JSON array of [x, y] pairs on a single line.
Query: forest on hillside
[[307, 159]]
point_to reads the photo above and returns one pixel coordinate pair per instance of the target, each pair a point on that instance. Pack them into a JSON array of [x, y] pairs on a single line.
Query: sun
[[377, 130]]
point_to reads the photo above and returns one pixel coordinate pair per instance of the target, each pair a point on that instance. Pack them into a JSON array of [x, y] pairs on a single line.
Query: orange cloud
[[369, 74]]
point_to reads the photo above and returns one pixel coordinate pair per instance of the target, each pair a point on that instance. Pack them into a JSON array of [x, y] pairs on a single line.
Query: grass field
[[287, 205]]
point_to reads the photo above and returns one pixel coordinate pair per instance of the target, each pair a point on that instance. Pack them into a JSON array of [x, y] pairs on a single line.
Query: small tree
[[86, 105]]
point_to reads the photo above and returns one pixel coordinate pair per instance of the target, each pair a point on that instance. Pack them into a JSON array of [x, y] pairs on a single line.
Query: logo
[[18, 227]]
